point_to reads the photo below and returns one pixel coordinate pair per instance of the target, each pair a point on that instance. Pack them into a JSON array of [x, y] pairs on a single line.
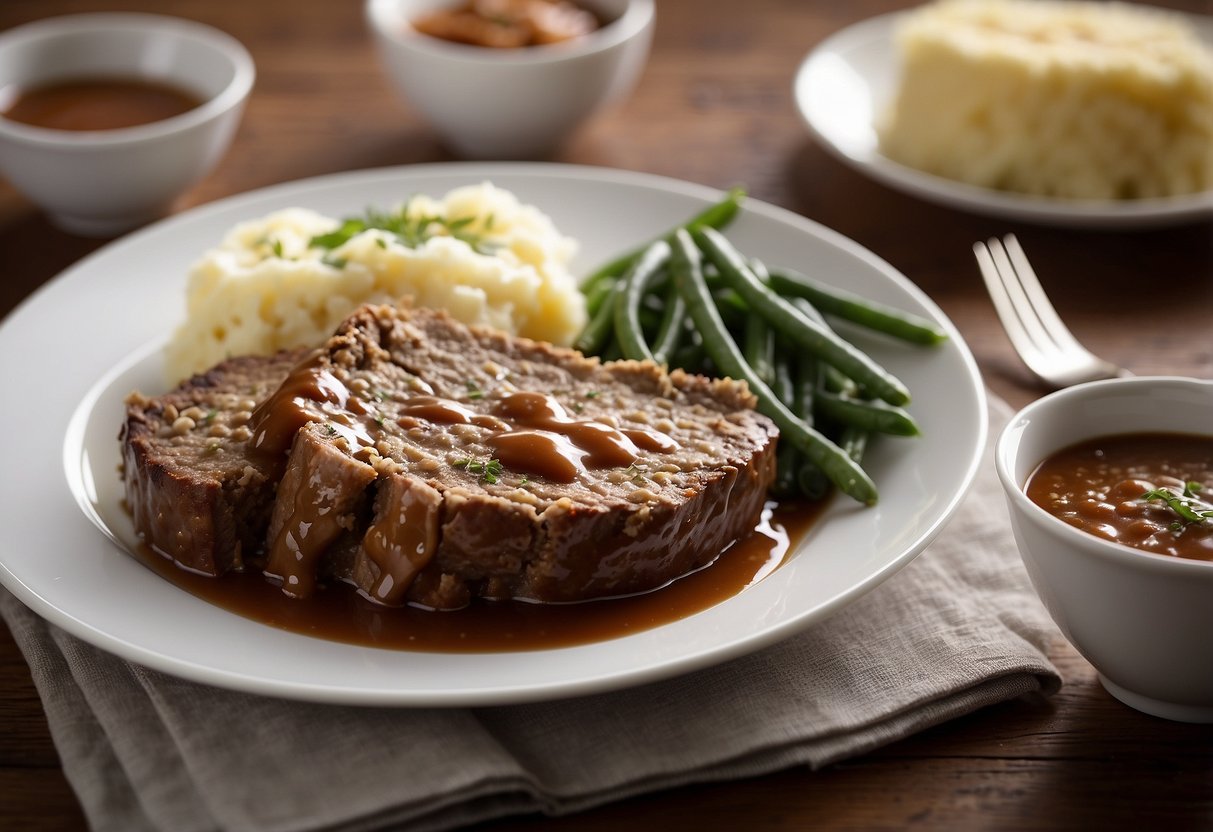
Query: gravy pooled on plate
[[1100, 486]]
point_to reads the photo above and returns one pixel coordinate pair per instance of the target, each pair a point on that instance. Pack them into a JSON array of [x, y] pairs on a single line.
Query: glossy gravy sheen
[[99, 104], [1097, 487], [340, 614]]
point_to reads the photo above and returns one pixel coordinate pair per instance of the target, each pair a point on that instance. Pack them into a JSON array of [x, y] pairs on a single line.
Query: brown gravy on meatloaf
[[338, 614]]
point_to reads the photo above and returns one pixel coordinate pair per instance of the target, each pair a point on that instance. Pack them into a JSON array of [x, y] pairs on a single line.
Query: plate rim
[[346, 694], [1139, 214]]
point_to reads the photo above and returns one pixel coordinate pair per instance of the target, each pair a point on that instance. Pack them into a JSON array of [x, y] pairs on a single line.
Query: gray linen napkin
[[958, 629]]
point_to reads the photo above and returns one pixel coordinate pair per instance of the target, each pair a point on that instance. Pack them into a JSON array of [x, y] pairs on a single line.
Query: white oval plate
[[850, 78], [92, 324]]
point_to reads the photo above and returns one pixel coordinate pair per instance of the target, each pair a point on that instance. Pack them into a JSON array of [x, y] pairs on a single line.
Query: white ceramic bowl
[[511, 103], [1145, 621], [107, 181]]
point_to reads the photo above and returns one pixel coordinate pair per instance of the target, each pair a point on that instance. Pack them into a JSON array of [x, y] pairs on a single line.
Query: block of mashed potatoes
[[1062, 99], [287, 279]]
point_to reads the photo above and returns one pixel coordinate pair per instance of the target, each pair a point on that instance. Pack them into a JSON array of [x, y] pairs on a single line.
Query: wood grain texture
[[714, 106]]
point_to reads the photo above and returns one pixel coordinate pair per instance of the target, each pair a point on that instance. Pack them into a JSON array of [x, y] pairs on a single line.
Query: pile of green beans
[[689, 299]]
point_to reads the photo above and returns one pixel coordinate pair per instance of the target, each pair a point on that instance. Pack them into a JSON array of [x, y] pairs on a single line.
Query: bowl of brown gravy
[[106, 118], [1110, 489]]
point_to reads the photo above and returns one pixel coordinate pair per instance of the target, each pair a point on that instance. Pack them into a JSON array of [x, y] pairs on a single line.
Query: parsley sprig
[[410, 231], [1190, 508], [489, 471]]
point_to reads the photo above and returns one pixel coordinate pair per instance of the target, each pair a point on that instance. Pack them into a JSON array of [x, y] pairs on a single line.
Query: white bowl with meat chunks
[[497, 83]]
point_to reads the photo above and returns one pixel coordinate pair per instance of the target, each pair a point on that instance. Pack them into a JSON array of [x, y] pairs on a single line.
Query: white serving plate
[[80, 341], [850, 78]]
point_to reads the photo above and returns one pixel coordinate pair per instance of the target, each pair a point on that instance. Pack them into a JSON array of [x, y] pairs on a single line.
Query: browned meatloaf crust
[[426, 461], [193, 491]]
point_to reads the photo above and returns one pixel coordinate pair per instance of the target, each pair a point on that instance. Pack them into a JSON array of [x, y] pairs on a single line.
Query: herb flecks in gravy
[[1113, 487]]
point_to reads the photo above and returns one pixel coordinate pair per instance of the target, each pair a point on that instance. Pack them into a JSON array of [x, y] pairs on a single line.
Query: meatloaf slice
[[194, 492], [503, 467]]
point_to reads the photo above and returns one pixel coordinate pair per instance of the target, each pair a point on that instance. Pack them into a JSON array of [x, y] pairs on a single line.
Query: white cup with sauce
[[103, 182], [1144, 620], [511, 103]]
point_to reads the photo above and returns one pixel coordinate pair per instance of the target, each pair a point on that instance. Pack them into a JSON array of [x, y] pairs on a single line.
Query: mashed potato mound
[[491, 261], [1063, 99]]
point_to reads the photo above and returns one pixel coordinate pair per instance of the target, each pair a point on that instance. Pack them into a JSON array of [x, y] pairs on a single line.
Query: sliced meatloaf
[[429, 462], [194, 492]]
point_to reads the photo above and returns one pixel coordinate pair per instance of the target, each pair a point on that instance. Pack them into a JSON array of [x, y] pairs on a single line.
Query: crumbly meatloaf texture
[[389, 469], [194, 492]]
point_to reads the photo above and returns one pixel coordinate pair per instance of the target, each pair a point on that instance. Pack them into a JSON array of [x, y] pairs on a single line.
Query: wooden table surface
[[714, 106]]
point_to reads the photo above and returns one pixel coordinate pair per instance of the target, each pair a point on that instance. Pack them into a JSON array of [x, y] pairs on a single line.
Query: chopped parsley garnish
[[525, 479], [1188, 506], [591, 394], [330, 430], [379, 420], [335, 262], [210, 416], [409, 231], [489, 471], [474, 392], [277, 249]]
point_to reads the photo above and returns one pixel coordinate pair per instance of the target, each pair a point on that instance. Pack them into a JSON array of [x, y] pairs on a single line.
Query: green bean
[[649, 321], [758, 347], [723, 350], [672, 326], [612, 351], [833, 380], [808, 334], [628, 329], [854, 441], [804, 387], [813, 483], [876, 416], [787, 459], [857, 309], [811, 480], [830, 378], [760, 269], [717, 215], [809, 310], [598, 331], [732, 308], [597, 295]]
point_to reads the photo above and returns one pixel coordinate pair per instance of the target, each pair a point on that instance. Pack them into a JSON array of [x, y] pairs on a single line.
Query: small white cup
[[511, 103], [100, 183], [1144, 620]]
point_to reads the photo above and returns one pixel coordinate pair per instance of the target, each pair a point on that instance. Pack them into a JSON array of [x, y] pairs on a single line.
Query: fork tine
[[1035, 293], [1043, 342], [1003, 304], [1020, 301]]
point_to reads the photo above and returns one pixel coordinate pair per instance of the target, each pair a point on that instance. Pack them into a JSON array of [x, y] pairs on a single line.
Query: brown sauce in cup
[[1098, 486], [96, 104], [339, 613]]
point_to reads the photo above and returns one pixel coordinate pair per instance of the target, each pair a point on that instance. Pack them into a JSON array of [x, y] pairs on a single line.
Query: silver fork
[[1044, 343]]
